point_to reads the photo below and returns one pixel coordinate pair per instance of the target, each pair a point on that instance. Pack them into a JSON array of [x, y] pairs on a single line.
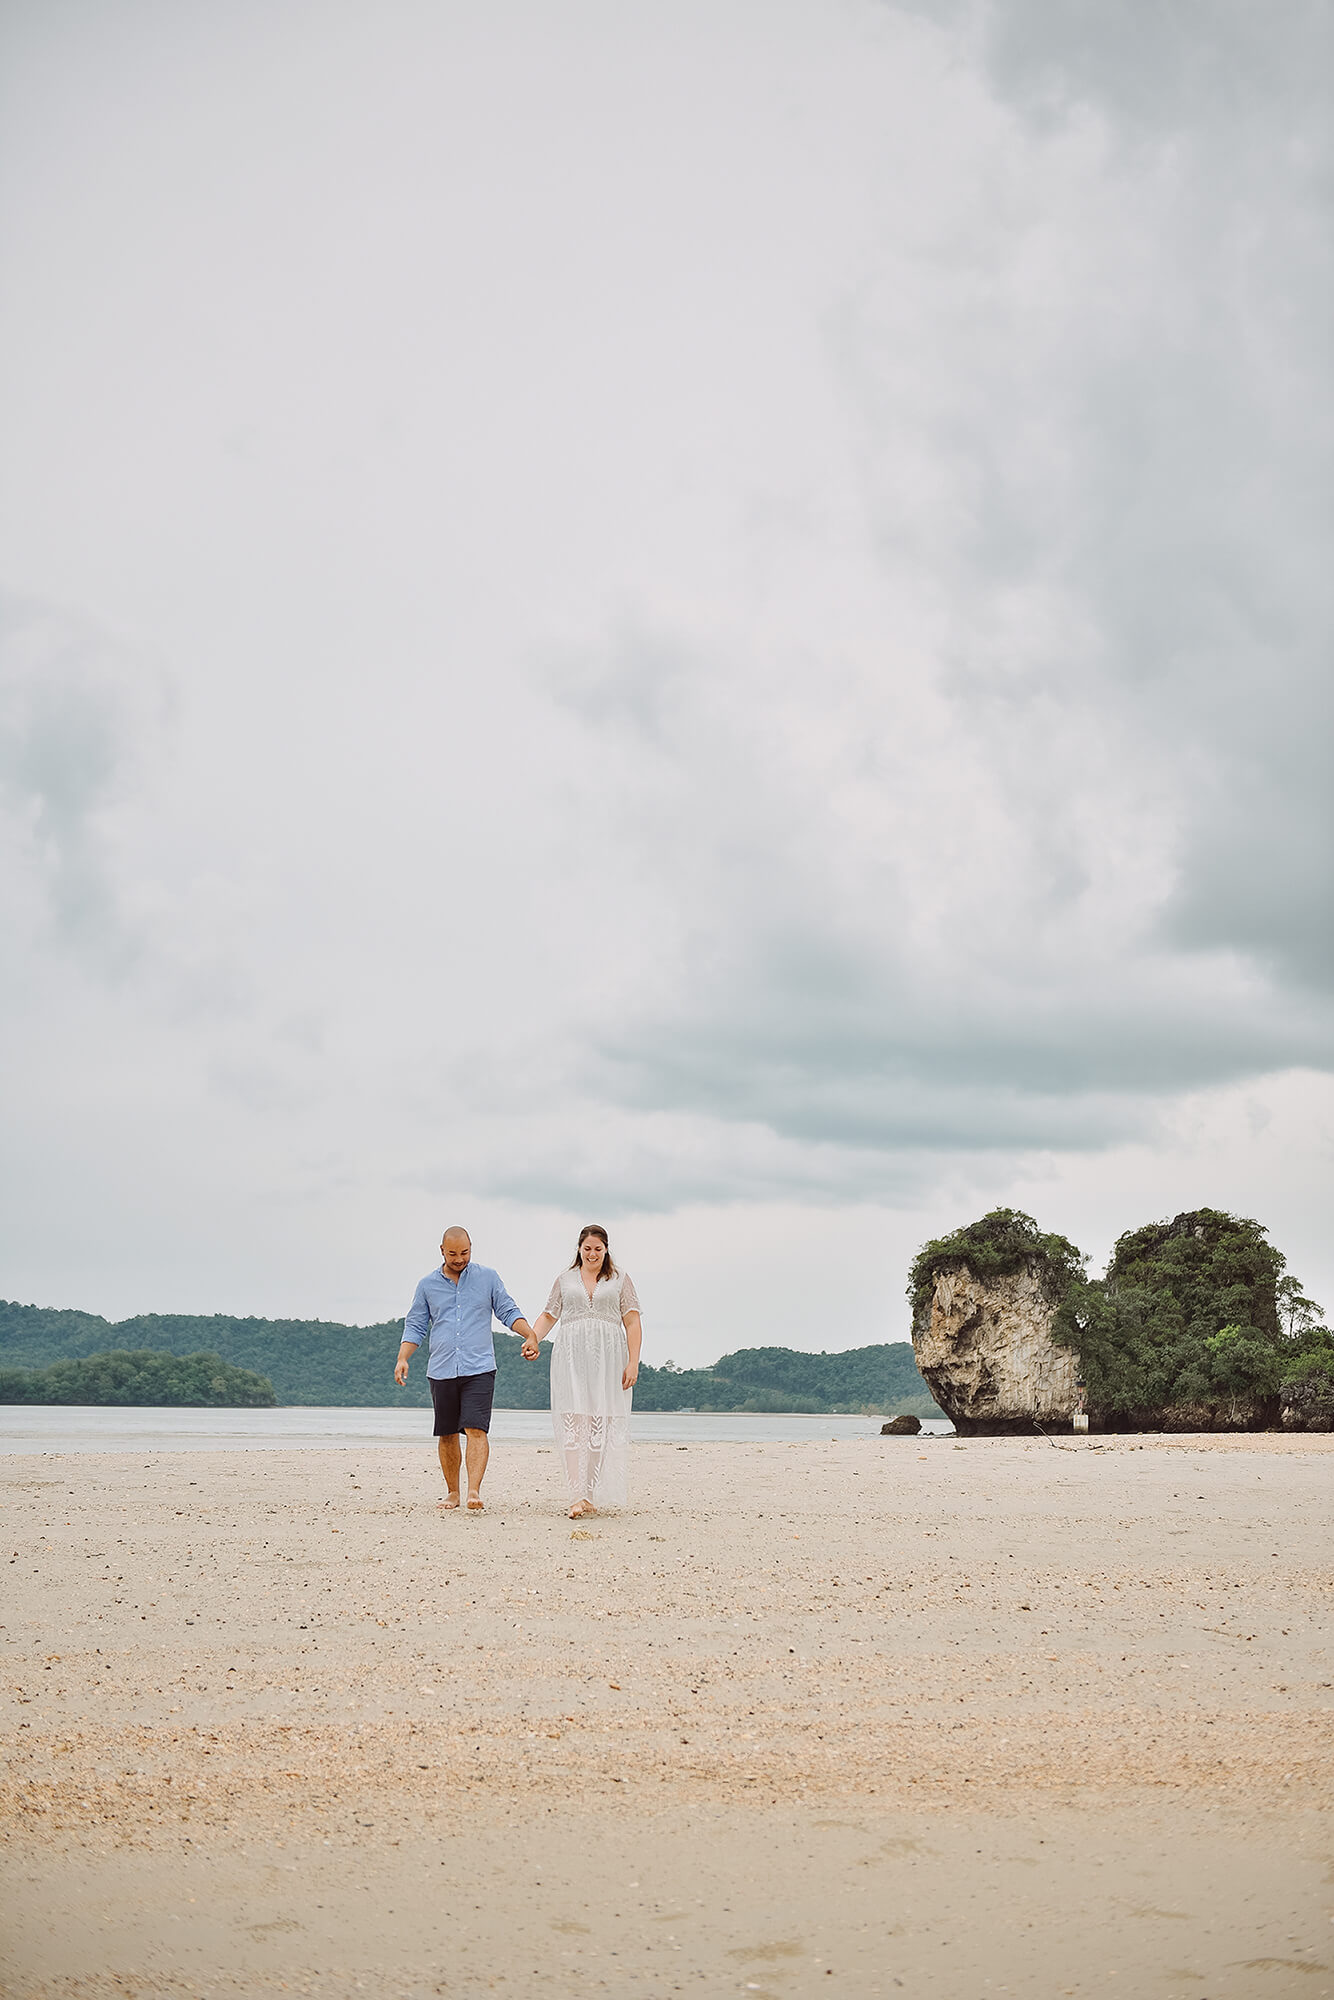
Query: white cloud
[[744, 601]]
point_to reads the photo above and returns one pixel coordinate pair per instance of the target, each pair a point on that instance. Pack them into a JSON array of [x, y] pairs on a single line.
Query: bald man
[[454, 1305]]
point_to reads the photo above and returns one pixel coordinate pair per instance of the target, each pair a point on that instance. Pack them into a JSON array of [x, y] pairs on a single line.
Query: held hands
[[529, 1349]]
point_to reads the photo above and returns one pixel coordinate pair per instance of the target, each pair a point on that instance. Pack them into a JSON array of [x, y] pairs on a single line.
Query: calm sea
[[60, 1428]]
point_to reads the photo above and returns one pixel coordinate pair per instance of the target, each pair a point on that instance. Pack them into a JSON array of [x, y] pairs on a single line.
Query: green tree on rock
[[1195, 1312], [1003, 1241]]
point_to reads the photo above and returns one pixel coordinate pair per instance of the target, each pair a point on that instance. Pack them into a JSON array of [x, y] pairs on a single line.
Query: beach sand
[[874, 1717]]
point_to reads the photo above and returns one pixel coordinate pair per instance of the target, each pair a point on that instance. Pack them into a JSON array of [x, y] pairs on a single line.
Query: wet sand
[[871, 1717]]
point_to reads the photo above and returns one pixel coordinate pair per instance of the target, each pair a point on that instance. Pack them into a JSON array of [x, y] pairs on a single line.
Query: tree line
[[119, 1375], [318, 1362]]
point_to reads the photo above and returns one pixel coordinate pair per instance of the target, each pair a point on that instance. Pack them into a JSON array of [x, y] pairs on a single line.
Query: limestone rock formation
[[986, 1351], [1228, 1413], [901, 1427]]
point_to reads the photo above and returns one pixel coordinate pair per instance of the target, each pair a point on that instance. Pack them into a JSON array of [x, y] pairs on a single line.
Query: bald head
[[456, 1249]]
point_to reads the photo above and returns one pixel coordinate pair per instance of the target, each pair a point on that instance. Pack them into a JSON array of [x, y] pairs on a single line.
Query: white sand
[[870, 1717]]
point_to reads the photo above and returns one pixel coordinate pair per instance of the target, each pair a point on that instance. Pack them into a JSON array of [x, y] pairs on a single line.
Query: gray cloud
[[1115, 488], [1198, 525], [76, 721], [1197, 66]]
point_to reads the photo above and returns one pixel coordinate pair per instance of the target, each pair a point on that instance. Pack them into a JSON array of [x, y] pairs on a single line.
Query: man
[[455, 1304]]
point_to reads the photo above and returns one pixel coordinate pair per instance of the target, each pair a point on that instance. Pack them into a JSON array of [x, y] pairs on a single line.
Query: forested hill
[[319, 1362]]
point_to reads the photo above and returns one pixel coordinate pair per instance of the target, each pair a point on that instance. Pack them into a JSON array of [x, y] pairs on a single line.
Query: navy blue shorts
[[463, 1404]]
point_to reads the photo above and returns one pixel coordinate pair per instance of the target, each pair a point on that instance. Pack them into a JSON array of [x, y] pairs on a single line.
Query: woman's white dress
[[590, 1411]]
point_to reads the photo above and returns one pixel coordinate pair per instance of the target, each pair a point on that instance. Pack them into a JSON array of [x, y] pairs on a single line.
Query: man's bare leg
[[479, 1451], [451, 1457]]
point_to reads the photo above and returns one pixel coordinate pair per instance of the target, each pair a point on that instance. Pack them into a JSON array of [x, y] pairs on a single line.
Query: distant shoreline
[[52, 1429]]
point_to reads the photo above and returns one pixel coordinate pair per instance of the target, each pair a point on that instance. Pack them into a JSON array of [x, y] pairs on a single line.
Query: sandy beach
[[871, 1717]]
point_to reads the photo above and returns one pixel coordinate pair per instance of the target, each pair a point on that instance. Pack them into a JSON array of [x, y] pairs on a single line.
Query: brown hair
[[608, 1269]]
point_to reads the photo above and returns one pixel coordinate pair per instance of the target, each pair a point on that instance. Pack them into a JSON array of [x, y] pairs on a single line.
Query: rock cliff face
[[1309, 1405], [1229, 1413], [986, 1351]]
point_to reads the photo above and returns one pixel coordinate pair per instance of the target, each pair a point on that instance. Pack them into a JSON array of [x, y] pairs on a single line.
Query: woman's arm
[[542, 1324], [634, 1333]]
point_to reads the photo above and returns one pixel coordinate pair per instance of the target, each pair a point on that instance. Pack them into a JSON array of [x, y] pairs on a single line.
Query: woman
[[594, 1367]]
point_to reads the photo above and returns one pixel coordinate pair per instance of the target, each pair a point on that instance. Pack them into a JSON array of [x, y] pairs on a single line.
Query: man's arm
[[415, 1328], [505, 1310]]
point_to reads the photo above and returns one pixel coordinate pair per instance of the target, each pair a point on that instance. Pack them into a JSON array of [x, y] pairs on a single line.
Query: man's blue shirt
[[458, 1319]]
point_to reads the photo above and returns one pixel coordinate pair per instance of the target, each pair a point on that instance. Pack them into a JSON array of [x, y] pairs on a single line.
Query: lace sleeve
[[552, 1306], [629, 1296]]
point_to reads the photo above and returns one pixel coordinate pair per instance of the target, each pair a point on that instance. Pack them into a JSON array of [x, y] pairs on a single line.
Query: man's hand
[[401, 1370], [529, 1349]]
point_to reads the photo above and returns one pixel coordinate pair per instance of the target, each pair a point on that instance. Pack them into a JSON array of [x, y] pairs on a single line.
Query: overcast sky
[[714, 617]]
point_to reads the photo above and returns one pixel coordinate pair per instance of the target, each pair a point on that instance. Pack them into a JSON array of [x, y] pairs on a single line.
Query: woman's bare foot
[[448, 1504], [580, 1508]]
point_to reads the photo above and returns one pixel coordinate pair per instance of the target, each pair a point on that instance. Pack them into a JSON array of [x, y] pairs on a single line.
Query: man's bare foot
[[475, 1504], [448, 1504]]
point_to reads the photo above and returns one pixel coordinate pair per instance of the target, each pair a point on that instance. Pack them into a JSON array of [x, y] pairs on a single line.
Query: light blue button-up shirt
[[458, 1318]]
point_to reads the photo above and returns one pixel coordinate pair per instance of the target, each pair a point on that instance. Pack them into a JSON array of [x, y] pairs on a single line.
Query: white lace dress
[[590, 1411]]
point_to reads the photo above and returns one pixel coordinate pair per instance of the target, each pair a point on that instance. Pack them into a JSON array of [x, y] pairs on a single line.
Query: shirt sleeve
[[418, 1322], [503, 1306], [629, 1296], [552, 1306]]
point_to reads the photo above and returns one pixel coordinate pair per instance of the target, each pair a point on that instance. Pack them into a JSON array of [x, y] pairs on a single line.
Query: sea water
[[37, 1427]]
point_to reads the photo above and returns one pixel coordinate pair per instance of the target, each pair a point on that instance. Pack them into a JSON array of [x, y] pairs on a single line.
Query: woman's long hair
[[607, 1269]]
